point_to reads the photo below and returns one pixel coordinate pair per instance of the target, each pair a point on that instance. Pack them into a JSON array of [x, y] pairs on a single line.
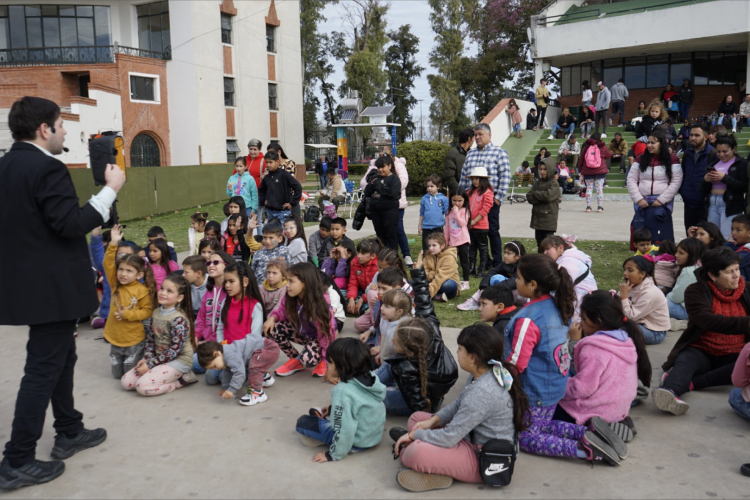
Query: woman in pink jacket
[[403, 176], [655, 179], [609, 361]]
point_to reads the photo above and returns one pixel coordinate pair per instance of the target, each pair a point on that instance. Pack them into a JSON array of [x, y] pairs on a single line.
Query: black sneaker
[[67, 447], [597, 450], [745, 470], [624, 428], [34, 472], [396, 433], [602, 429]]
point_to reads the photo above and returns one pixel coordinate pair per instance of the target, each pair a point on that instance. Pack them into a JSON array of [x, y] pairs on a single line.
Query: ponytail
[[551, 278]]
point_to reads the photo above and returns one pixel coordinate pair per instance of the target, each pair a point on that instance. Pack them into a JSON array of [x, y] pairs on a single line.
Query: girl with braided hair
[[170, 343]]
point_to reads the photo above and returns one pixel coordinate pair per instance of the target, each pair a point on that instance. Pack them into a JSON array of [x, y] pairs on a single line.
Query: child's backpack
[[593, 156], [312, 214]]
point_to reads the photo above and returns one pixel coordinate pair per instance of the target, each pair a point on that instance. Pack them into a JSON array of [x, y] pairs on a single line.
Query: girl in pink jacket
[[457, 231], [576, 262], [642, 300], [609, 360]]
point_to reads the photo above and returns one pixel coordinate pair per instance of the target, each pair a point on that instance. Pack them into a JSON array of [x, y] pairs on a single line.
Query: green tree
[[402, 67]]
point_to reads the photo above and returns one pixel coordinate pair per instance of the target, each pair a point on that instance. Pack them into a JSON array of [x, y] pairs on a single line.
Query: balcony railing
[[75, 55]]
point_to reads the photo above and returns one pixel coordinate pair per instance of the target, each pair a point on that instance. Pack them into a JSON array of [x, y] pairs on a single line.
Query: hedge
[[423, 158], [358, 168]]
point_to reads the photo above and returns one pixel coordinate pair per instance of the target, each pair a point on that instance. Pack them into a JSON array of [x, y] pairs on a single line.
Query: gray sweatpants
[[124, 359]]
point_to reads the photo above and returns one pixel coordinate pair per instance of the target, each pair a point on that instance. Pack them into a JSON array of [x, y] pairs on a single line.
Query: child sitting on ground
[[318, 241], [687, 257], [159, 262], [170, 342], [273, 248], [355, 419], [503, 274], [610, 358], [642, 301], [157, 232], [337, 300], [395, 308], [234, 239], [708, 233], [363, 269], [496, 306], [739, 398], [457, 231], [642, 241], [213, 231], [524, 174], [576, 263], [432, 209], [274, 287], [132, 303], [296, 242], [195, 272], [338, 265], [208, 246], [665, 266], [741, 243], [196, 232], [389, 278], [338, 234], [441, 268]]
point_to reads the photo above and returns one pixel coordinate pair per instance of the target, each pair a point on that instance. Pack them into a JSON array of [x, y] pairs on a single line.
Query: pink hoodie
[[606, 379], [403, 176], [577, 263]]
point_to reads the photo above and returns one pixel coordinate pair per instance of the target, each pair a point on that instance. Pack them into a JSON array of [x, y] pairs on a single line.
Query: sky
[[413, 12]]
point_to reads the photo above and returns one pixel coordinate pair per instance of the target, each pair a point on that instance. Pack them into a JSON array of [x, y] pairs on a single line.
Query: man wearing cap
[[602, 108], [495, 160], [569, 151]]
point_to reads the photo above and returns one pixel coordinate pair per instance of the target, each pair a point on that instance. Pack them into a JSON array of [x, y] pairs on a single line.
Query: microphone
[[65, 150]]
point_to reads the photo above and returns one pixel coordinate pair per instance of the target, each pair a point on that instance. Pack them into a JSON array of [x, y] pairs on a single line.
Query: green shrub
[[308, 164], [358, 168], [423, 158]]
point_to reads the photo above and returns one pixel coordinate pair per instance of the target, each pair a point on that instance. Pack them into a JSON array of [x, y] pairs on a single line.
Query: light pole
[[421, 126]]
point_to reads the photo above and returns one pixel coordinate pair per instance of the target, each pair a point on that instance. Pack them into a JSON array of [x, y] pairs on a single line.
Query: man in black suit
[[47, 284]]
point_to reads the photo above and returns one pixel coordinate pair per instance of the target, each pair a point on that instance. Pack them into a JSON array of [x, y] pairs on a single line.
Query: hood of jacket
[[624, 350], [368, 386], [574, 253], [272, 288]]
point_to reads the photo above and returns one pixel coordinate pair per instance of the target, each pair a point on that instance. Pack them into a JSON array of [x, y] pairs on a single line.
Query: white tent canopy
[[321, 146]]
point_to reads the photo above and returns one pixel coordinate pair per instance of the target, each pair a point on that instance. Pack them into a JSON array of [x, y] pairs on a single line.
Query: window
[[144, 152], [270, 38], [272, 97], [153, 26], [575, 79], [700, 69], [144, 88], [232, 150], [635, 72], [612, 71], [228, 91], [565, 84], [657, 71], [226, 29], [679, 68], [53, 26], [596, 74], [731, 66]]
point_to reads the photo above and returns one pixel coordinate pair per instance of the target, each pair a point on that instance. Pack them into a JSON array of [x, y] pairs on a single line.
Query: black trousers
[[428, 232], [542, 112], [463, 259], [540, 234], [694, 215], [702, 369], [563, 416], [496, 241], [385, 223], [48, 376]]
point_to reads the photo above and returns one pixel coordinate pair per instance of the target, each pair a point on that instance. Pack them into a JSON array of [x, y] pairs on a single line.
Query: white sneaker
[[551, 137], [734, 130], [604, 136], [407, 261], [610, 122], [471, 304], [252, 398], [268, 380], [465, 285]]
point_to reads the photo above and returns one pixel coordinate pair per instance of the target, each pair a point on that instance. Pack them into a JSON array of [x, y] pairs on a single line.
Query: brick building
[[186, 82]]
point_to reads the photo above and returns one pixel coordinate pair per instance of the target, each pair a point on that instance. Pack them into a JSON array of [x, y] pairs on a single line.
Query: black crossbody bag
[[497, 458]]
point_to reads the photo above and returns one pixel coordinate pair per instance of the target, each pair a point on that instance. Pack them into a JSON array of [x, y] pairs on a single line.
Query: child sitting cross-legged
[[395, 308], [496, 306], [687, 257], [234, 239], [296, 242], [387, 258], [197, 231], [273, 248], [274, 287], [642, 300], [503, 274], [364, 267], [318, 241], [642, 241], [338, 265], [355, 419], [441, 268], [159, 262], [741, 243], [390, 278]]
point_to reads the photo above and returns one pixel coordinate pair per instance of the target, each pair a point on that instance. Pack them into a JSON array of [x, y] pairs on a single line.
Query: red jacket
[[360, 276], [481, 204], [256, 167]]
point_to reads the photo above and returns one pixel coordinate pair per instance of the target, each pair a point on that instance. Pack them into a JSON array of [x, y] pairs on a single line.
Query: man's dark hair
[[700, 125], [621, 80], [28, 114], [325, 222], [332, 171], [464, 135], [498, 295], [642, 234], [155, 232], [340, 221]]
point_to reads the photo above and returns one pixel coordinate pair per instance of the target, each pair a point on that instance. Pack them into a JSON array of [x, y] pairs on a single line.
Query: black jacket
[[531, 121], [646, 126], [687, 94], [735, 196], [442, 370], [384, 193], [277, 188], [319, 170], [565, 121], [583, 117], [504, 269], [727, 108], [502, 320], [244, 250], [46, 228]]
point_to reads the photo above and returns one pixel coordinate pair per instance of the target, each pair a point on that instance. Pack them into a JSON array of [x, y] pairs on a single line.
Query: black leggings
[[541, 111], [540, 234], [702, 369], [463, 258], [385, 223]]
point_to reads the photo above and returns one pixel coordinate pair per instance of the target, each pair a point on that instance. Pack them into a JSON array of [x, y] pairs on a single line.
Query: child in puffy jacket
[[363, 269], [242, 184], [457, 231], [642, 301], [665, 266], [441, 268]]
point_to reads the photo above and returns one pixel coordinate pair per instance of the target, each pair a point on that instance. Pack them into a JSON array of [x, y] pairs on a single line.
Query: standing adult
[[287, 164], [671, 99], [725, 184], [619, 94], [321, 170], [495, 160], [694, 164], [39, 206], [653, 182], [454, 161], [602, 108], [256, 165], [687, 95], [542, 99], [383, 189]]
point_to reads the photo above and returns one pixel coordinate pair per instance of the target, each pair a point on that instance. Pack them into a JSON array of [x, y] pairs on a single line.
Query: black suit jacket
[[45, 268]]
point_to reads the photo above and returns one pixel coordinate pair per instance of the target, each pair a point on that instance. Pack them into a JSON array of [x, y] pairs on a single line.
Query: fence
[[151, 191]]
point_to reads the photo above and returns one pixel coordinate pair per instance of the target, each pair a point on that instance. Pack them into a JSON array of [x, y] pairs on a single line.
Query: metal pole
[[421, 122]]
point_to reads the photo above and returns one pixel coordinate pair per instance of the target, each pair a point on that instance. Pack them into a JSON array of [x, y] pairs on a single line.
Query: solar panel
[[348, 115]]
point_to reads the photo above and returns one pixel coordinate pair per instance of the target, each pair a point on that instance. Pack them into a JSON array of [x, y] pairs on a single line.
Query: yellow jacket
[[253, 245], [135, 298], [441, 267]]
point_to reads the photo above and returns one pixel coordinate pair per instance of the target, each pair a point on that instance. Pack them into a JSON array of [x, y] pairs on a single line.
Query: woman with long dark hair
[[725, 184], [728, 113]]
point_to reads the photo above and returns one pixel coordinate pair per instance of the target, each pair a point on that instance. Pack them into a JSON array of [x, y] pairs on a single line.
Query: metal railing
[[595, 13], [75, 55]]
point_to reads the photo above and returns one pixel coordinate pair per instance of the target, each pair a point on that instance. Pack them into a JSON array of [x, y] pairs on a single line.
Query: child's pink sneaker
[[471, 304], [290, 367]]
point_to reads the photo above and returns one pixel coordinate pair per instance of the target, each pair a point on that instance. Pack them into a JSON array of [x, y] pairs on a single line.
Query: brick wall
[[707, 99], [271, 67], [231, 131], [228, 60]]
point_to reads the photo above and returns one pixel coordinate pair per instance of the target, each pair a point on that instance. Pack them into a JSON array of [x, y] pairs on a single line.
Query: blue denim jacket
[[546, 374]]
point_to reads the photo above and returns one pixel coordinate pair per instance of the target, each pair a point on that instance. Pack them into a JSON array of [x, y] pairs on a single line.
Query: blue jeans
[[723, 121], [676, 311], [403, 241], [684, 110], [651, 336], [586, 128], [618, 107], [449, 288], [517, 127], [277, 214], [320, 429], [717, 214], [394, 400], [212, 376], [738, 403], [323, 181], [568, 130]]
